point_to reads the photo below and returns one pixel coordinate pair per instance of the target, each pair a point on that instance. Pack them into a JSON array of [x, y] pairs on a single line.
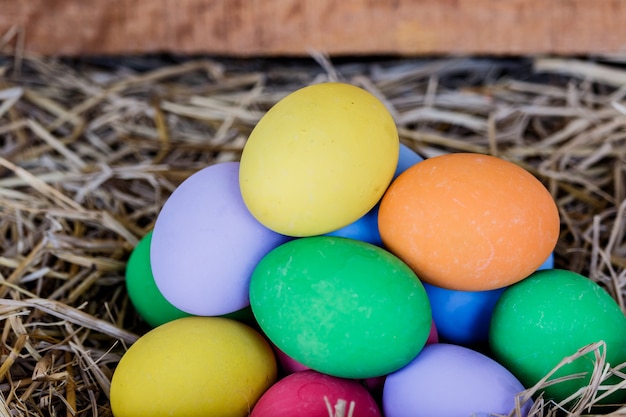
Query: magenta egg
[[313, 394]]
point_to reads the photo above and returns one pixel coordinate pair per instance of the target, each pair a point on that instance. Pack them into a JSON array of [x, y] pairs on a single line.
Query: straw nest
[[91, 149]]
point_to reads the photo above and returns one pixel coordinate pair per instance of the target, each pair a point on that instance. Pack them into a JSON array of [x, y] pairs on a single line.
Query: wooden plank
[[294, 27]]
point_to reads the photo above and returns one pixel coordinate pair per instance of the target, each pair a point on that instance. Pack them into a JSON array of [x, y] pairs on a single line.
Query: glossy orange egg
[[469, 222]]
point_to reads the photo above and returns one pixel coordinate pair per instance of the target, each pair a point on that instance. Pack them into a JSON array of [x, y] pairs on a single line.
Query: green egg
[[142, 290], [340, 306], [549, 316]]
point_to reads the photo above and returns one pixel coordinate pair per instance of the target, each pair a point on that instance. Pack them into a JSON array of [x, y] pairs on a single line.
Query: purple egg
[[450, 381], [205, 244]]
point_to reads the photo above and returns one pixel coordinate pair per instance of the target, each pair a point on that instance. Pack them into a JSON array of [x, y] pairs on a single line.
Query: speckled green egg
[[549, 316], [340, 306]]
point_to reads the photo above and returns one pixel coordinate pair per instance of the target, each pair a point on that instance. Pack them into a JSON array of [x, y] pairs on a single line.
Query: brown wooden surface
[[294, 27]]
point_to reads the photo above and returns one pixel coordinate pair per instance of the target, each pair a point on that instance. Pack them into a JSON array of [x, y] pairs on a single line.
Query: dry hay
[[90, 150]]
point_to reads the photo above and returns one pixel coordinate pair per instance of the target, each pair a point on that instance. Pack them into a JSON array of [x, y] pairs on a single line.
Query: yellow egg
[[195, 366], [319, 159]]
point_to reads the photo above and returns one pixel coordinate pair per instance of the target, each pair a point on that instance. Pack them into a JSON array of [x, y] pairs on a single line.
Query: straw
[[90, 149]]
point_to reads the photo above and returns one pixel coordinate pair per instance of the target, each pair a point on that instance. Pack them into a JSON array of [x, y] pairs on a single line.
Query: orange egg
[[469, 222]]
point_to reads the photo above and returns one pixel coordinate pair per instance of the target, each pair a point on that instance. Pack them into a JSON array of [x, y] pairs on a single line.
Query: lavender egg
[[205, 243], [450, 381]]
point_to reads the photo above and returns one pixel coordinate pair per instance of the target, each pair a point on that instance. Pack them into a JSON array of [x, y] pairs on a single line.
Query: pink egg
[[433, 336], [312, 394], [287, 363], [205, 244]]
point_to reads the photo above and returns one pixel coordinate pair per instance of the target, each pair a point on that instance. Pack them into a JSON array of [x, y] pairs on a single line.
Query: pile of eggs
[[333, 272]]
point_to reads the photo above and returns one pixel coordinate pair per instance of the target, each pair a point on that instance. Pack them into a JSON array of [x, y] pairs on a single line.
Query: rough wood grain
[[294, 27]]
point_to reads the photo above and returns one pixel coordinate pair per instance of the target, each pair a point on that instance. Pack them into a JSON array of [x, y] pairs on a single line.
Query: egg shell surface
[[366, 227], [447, 380], [319, 159], [143, 291], [148, 300], [340, 306], [205, 244], [194, 366], [375, 385], [289, 365], [548, 316], [406, 159], [463, 317], [306, 393], [469, 222]]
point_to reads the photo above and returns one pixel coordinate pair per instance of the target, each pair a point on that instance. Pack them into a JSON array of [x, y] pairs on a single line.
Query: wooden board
[[295, 27]]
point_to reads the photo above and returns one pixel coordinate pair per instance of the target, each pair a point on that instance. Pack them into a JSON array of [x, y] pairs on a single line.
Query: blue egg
[[406, 160], [463, 317], [366, 228], [548, 264]]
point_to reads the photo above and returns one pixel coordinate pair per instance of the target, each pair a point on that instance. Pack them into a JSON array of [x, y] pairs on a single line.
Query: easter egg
[[366, 227], [205, 243], [310, 394], [548, 263], [406, 159], [194, 366], [340, 306], [142, 290], [319, 159], [463, 317], [288, 365], [447, 380], [375, 385], [469, 222], [550, 315]]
